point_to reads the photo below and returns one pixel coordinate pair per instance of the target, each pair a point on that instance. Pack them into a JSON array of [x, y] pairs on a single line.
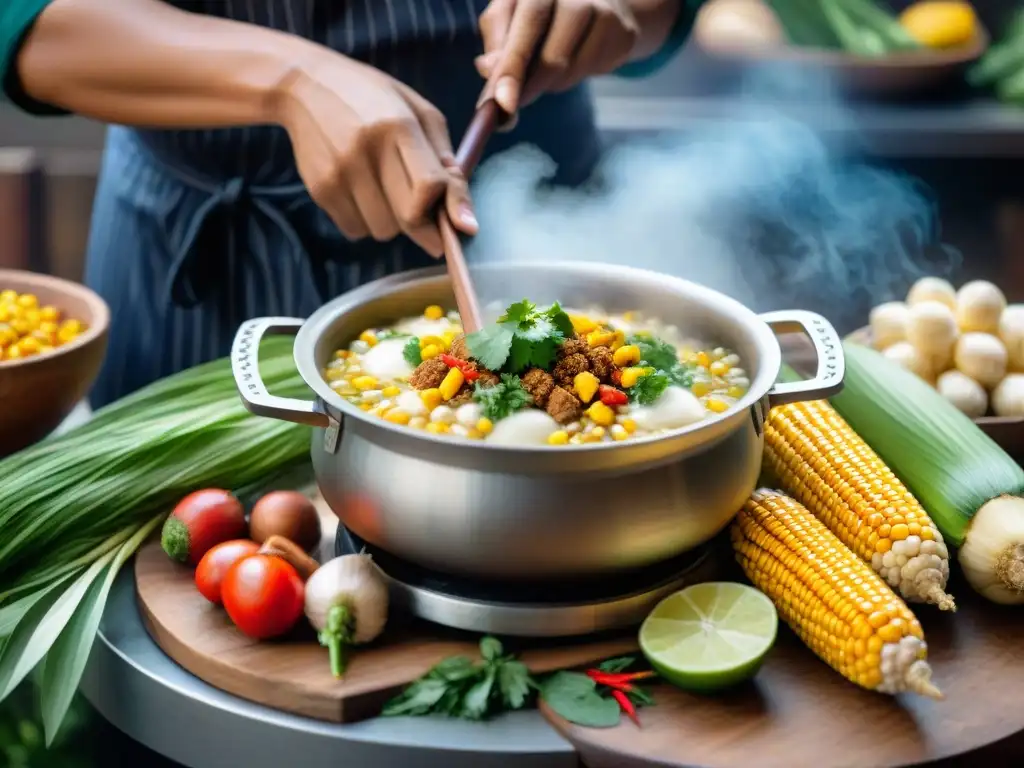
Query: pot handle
[[245, 355], [828, 347]]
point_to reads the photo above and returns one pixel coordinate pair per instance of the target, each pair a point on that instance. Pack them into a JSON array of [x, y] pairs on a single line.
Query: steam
[[760, 208]]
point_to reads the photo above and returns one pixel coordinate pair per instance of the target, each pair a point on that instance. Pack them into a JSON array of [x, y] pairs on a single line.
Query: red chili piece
[[617, 377], [622, 677], [469, 370], [612, 396], [627, 706]]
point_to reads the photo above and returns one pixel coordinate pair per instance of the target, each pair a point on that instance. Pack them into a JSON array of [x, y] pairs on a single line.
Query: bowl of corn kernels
[[53, 336]]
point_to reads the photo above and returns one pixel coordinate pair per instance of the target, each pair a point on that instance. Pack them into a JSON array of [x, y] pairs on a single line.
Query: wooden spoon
[[470, 150]]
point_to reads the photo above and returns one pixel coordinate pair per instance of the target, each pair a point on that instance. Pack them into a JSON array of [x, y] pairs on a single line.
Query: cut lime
[[709, 636]]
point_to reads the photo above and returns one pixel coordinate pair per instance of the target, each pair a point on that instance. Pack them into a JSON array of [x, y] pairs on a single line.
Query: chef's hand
[[374, 154], [536, 46]]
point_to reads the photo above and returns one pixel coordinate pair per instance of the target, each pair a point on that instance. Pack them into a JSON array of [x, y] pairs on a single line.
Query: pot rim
[[319, 323]]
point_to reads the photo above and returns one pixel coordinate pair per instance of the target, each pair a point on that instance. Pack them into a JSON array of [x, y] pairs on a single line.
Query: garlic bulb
[[964, 392], [992, 555], [888, 323], [1008, 397], [905, 354], [347, 603], [1011, 333], [932, 330], [932, 289], [981, 356], [979, 305]]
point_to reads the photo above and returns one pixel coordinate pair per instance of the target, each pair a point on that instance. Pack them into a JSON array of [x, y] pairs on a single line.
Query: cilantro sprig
[[411, 352], [524, 337], [502, 399], [664, 358], [459, 687]]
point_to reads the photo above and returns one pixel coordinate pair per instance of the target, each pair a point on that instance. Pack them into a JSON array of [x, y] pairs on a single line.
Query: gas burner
[[550, 609]]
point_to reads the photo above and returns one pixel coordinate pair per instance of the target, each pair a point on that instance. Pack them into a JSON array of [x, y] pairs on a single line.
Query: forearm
[[143, 62]]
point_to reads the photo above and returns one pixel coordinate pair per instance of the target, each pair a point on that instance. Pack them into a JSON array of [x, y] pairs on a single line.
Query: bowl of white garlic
[[968, 343]]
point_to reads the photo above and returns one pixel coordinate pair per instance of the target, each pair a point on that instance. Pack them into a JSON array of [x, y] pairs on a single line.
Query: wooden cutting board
[[798, 713], [293, 674]]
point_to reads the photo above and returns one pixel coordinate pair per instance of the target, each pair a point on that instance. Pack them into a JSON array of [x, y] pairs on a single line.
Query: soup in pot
[[537, 376]]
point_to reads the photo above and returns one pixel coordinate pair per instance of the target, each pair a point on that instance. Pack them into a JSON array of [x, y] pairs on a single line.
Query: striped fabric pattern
[[195, 231]]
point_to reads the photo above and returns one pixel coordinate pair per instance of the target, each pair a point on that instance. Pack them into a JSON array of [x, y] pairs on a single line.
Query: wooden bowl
[[37, 393], [1007, 431], [899, 74]]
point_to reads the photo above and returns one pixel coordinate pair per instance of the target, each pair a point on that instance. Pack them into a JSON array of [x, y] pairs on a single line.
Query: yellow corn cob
[[838, 606], [816, 457]]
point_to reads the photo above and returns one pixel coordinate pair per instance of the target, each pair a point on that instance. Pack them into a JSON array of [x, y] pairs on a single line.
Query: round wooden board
[[293, 674], [798, 713]]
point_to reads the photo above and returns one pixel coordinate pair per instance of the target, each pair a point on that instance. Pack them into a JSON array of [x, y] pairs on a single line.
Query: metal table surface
[[138, 689]]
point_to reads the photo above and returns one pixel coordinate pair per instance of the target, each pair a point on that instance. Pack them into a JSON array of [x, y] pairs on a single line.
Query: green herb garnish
[[574, 697], [502, 399], [458, 687], [411, 352], [655, 352], [390, 333], [664, 358], [524, 337], [649, 388]]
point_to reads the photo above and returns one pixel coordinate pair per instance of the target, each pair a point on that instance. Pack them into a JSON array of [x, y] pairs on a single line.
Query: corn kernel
[[586, 384], [14, 353], [448, 337], [364, 382], [430, 351], [629, 425], [5, 314], [437, 428], [618, 432], [626, 355], [734, 391], [27, 300], [368, 337], [433, 312], [391, 391], [629, 316], [22, 326], [630, 376], [49, 314], [431, 398], [700, 388], [484, 426], [366, 406], [8, 296], [619, 341], [558, 437], [397, 416], [718, 406], [718, 368], [600, 338], [582, 324], [451, 384], [597, 432], [417, 422], [601, 414], [341, 354], [703, 360], [426, 341], [474, 434]]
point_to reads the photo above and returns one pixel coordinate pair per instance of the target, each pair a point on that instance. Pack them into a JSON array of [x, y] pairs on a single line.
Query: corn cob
[[816, 457], [838, 606]]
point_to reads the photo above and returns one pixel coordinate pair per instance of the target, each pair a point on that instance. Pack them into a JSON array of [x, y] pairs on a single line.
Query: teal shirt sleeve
[[16, 20], [677, 38]]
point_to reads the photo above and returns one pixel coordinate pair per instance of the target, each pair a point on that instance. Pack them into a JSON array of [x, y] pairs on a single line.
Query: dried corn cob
[[816, 457], [838, 606]]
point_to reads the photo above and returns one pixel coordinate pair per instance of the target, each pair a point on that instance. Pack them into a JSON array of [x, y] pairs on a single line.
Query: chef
[[266, 155]]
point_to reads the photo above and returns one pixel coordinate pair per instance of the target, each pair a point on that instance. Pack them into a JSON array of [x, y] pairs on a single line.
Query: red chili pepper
[[626, 706], [617, 377], [620, 677], [469, 370], [612, 396]]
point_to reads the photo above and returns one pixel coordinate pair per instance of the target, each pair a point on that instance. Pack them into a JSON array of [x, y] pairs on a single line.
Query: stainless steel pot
[[464, 506]]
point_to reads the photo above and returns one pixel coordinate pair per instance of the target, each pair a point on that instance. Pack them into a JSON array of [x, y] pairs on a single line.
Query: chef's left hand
[[536, 46]]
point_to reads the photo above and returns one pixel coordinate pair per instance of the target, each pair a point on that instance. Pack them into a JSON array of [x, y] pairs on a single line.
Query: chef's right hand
[[373, 153]]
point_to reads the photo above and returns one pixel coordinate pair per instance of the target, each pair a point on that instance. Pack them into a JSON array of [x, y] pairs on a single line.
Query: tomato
[[216, 563], [201, 521], [263, 595]]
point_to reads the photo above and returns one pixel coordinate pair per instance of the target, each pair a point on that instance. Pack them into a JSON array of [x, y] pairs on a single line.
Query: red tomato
[[263, 595], [215, 563], [201, 521]]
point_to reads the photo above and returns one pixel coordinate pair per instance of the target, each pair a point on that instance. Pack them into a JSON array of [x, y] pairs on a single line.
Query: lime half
[[709, 636]]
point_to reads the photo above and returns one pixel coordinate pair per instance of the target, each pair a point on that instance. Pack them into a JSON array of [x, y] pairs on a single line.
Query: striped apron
[[194, 232]]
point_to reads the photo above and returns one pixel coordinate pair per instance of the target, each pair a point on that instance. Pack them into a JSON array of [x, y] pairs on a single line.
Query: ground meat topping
[[429, 374], [539, 384], [487, 379], [563, 406], [602, 361], [460, 348], [568, 367], [461, 397], [574, 346]]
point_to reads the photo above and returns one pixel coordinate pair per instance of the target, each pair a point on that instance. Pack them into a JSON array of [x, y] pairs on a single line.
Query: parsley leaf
[[574, 697], [523, 337], [649, 388], [411, 352], [502, 399], [618, 664], [664, 358], [490, 346], [655, 352]]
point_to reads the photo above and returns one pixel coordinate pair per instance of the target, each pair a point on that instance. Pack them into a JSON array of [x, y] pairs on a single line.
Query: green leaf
[[618, 664], [411, 352], [66, 659], [543, 353], [417, 699], [41, 626], [561, 320], [574, 697], [518, 313], [12, 614], [477, 699], [649, 388], [502, 399], [520, 354], [656, 352], [490, 346], [514, 681], [454, 668], [491, 648]]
